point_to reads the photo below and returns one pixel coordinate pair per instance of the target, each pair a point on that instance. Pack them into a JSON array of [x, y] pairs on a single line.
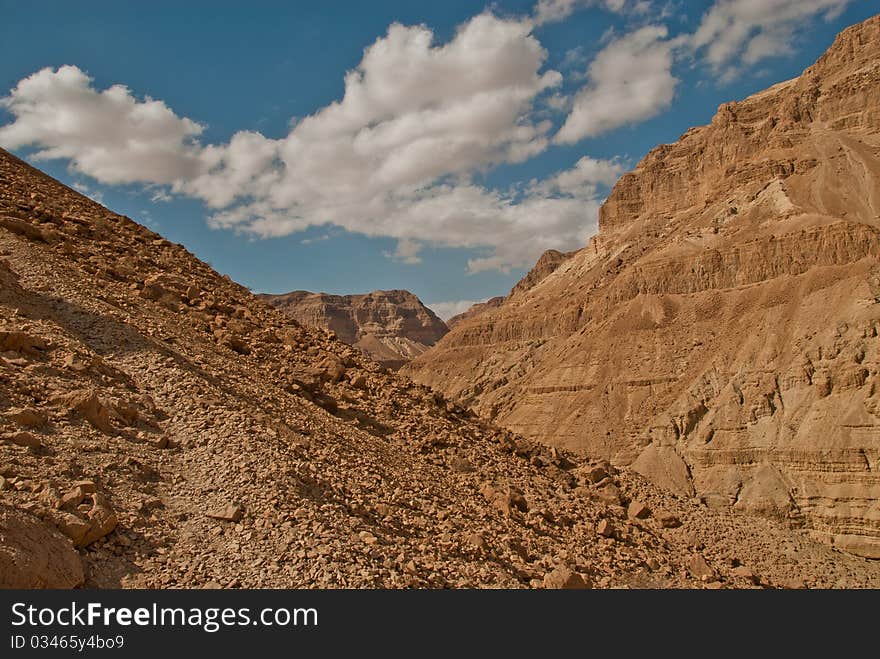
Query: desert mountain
[[720, 333], [391, 327], [160, 426]]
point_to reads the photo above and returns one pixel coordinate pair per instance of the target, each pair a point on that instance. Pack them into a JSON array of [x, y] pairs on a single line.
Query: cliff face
[[719, 334], [391, 327]]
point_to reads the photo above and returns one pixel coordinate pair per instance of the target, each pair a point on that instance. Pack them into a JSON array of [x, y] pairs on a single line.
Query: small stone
[[476, 540], [102, 520], [71, 526], [368, 538], [596, 474], [699, 568], [605, 528], [668, 520], [610, 494], [794, 583], [637, 510], [26, 439], [743, 572], [88, 487], [73, 497], [563, 578], [461, 465], [228, 513]]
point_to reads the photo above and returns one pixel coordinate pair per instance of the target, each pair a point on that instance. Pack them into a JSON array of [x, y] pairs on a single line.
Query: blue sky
[[346, 147]]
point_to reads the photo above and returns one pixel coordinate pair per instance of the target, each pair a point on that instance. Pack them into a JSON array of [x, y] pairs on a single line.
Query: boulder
[[34, 555]]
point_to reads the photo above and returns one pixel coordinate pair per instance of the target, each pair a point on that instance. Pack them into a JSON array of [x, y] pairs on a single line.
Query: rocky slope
[[720, 333], [162, 427], [391, 327]]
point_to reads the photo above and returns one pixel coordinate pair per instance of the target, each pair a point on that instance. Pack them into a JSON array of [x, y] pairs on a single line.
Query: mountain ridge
[[717, 333], [391, 327]]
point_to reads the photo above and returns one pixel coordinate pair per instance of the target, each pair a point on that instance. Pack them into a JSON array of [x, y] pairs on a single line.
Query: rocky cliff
[[720, 333], [391, 327]]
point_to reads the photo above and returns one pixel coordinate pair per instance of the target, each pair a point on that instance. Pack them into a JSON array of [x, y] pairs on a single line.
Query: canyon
[[719, 334], [163, 427]]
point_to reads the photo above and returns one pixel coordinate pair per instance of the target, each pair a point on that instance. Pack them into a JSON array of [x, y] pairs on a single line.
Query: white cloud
[[630, 80], [109, 135], [743, 32], [407, 251], [582, 179], [447, 310], [393, 158], [552, 11]]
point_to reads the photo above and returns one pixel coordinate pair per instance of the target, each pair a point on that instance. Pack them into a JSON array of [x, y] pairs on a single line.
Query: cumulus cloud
[[108, 135], [446, 310], [394, 157], [630, 80], [743, 32]]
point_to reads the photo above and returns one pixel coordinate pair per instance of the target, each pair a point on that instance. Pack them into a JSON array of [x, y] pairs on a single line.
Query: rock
[[102, 520], [476, 541], [368, 538], [33, 555], [699, 568], [765, 493], [28, 417], [228, 513], [86, 403], [743, 572], [605, 528], [596, 474], [23, 343], [26, 229], [72, 526], [668, 520], [73, 497], [664, 467], [86, 486], [234, 342], [563, 578], [26, 439], [637, 510], [461, 465], [610, 494]]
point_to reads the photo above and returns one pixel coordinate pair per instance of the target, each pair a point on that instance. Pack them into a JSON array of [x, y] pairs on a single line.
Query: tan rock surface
[[720, 333]]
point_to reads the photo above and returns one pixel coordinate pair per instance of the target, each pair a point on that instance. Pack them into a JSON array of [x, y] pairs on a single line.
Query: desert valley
[[689, 400]]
